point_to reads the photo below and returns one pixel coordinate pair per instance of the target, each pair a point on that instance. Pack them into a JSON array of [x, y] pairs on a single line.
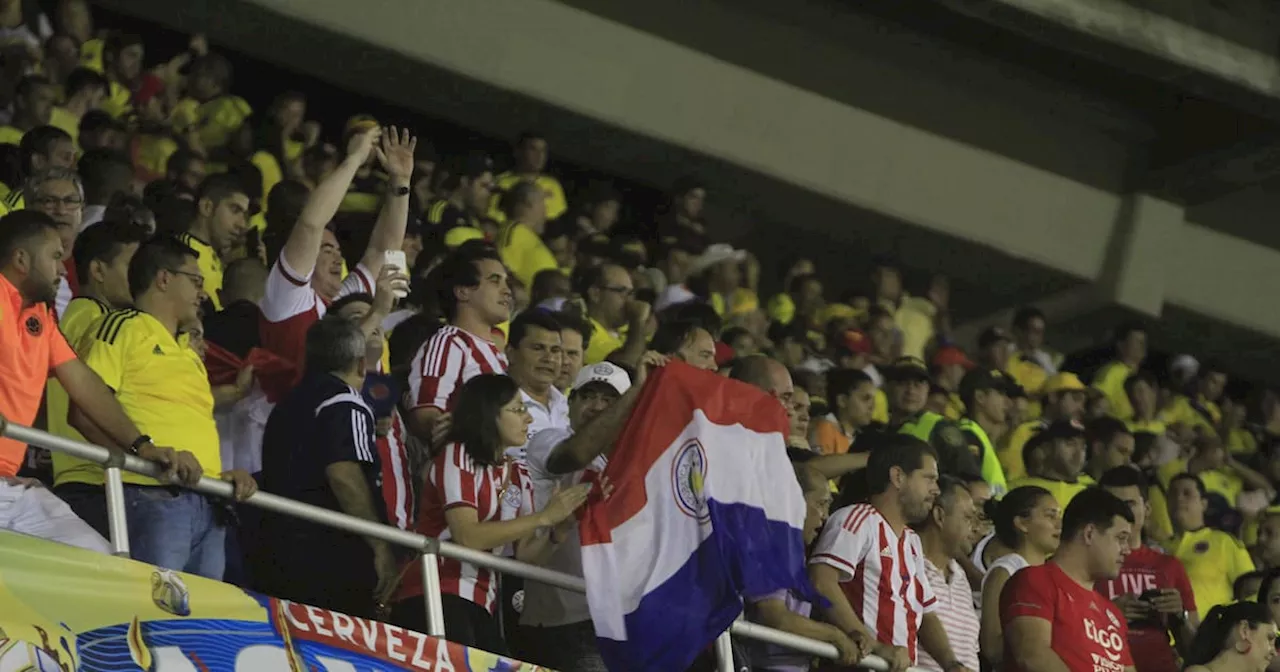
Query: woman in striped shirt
[[478, 497]]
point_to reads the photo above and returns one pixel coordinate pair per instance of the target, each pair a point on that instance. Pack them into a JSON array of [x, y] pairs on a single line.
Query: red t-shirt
[[1149, 569], [1089, 632]]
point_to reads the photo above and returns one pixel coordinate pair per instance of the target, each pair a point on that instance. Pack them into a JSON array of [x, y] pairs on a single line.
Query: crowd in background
[[341, 316]]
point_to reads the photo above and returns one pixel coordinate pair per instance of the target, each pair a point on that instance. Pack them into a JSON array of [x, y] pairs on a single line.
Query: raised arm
[[600, 435], [395, 153], [303, 246]]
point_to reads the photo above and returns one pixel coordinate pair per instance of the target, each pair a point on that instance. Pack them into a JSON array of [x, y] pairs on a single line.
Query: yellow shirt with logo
[[74, 322], [160, 383], [210, 267], [1181, 411], [1110, 381], [603, 343], [1062, 491], [557, 205], [740, 302], [1214, 560], [524, 252], [1215, 480]]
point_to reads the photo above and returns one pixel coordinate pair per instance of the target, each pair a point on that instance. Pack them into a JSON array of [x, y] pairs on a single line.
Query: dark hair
[[348, 299], [180, 160], [83, 79], [1269, 578], [517, 195], [475, 416], [672, 335], [1187, 476], [175, 216], [461, 268], [568, 320], [533, 318], [527, 135], [219, 186], [1140, 377], [333, 344], [903, 451], [158, 254], [1237, 586], [117, 42], [1025, 314], [28, 84], [284, 206], [39, 141], [1093, 506], [731, 334], [1017, 503], [1123, 331], [700, 313], [19, 228], [94, 121], [104, 172], [103, 242], [1211, 638], [844, 381], [809, 478], [1125, 476], [1104, 429], [947, 486]]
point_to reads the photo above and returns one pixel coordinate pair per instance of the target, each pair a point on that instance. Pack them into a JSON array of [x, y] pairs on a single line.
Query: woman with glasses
[[477, 497]]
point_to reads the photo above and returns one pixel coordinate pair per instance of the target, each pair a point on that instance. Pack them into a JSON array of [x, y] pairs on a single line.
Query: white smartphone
[[397, 259]]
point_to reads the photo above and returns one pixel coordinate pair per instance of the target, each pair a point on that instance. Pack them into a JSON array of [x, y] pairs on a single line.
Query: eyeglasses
[[66, 201], [518, 410], [196, 278]]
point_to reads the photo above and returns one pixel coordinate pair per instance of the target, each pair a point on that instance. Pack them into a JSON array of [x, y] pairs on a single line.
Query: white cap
[[604, 372], [1185, 365], [715, 254]]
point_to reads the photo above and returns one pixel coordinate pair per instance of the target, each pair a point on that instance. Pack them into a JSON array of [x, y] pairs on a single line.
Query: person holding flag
[[869, 557]]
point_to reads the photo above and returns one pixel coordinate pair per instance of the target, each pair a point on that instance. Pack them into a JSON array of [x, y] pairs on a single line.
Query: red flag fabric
[[274, 375]]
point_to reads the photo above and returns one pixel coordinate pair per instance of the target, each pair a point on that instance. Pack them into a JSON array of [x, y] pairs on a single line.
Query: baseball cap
[[950, 354], [1063, 382], [984, 379], [991, 336], [1059, 429], [604, 372], [906, 368]]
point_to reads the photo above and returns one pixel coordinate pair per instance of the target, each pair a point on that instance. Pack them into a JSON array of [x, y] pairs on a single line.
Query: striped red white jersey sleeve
[[496, 492], [451, 357], [397, 476], [882, 574]]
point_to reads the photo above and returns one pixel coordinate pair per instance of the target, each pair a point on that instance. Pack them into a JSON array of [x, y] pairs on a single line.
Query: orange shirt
[[30, 348], [830, 438]]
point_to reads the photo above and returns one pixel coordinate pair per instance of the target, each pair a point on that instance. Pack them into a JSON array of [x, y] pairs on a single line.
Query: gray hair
[[334, 345], [46, 175]]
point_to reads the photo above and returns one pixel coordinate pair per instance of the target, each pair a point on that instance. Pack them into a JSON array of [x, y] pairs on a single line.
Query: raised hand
[[361, 144], [395, 153]]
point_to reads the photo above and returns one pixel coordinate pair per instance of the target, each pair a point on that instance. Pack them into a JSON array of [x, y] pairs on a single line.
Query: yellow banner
[[63, 609]]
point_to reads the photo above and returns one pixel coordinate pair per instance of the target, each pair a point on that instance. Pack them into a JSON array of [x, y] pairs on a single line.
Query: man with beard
[[31, 348], [1053, 620], [867, 549]]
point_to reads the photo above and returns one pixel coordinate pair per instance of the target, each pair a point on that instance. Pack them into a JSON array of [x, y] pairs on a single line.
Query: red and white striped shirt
[[956, 613], [501, 492], [882, 575], [451, 357], [290, 306], [397, 477]]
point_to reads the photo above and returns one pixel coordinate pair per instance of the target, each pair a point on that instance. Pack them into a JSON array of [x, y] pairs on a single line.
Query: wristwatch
[[138, 443], [402, 190]]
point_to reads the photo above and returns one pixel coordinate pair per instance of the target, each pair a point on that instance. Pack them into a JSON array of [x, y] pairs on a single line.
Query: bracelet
[[138, 443]]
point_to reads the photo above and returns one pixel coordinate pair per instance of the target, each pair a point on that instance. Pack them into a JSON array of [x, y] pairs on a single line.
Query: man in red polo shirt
[[1053, 620], [31, 347]]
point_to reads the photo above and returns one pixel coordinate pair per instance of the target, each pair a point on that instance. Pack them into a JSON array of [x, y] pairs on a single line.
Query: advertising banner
[[63, 609]]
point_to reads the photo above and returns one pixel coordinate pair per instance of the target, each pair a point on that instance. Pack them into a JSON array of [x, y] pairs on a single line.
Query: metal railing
[[115, 462]]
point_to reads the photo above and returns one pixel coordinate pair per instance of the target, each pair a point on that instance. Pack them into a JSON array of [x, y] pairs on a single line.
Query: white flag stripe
[[738, 461]]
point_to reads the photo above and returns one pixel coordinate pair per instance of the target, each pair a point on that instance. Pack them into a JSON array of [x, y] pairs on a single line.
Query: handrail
[[392, 535]]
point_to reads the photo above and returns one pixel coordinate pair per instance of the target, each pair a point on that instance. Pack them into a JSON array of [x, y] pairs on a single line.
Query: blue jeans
[[175, 529]]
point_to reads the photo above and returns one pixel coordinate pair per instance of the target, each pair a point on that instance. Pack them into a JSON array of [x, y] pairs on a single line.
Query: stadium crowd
[[453, 349]]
